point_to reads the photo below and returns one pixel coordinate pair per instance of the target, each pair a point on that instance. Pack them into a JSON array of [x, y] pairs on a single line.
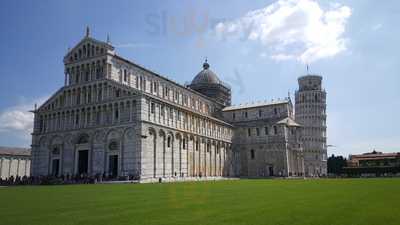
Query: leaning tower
[[310, 112]]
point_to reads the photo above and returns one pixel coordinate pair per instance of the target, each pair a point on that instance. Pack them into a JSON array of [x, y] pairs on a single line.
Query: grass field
[[320, 202]]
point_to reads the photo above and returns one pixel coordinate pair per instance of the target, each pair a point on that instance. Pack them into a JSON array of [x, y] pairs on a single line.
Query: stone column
[[9, 167], [112, 113], [52, 122], [1, 166], [129, 109], [172, 155], [119, 112], [180, 156], [83, 97], [86, 96], [26, 167], [17, 168]]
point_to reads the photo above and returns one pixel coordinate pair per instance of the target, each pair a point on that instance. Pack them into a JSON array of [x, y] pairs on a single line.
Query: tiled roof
[[256, 104], [373, 156]]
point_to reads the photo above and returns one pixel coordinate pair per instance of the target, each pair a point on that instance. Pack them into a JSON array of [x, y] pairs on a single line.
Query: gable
[[51, 102], [88, 47]]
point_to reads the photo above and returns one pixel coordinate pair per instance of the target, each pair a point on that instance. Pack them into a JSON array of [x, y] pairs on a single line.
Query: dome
[[206, 76]]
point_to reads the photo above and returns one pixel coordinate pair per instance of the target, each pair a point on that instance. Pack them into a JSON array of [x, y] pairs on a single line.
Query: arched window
[[125, 76], [116, 114], [184, 144], [120, 75], [169, 141], [77, 119], [252, 154]]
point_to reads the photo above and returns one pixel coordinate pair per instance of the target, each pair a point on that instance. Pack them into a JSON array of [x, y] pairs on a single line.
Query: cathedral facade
[[114, 117]]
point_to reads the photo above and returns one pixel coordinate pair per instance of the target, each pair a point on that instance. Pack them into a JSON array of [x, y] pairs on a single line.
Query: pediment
[[86, 48], [51, 102]]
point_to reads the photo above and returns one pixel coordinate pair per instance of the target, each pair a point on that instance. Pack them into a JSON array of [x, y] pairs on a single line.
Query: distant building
[[14, 162], [376, 163]]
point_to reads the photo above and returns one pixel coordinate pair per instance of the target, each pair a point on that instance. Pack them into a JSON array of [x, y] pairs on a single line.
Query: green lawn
[[320, 202]]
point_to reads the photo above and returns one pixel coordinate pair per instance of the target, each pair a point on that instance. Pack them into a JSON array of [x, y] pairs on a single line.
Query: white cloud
[[300, 29], [282, 57], [17, 120]]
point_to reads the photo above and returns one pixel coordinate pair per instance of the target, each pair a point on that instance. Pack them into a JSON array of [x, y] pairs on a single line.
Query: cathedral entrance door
[[271, 171], [55, 170], [113, 165], [83, 161]]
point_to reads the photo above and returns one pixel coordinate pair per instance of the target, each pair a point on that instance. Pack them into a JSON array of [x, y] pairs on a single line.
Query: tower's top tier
[[310, 82]]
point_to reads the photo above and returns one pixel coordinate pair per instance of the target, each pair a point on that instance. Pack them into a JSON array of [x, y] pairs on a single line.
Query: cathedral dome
[[206, 76]]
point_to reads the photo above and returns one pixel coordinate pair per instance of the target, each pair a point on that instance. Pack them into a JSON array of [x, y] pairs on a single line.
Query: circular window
[[113, 146], [55, 151]]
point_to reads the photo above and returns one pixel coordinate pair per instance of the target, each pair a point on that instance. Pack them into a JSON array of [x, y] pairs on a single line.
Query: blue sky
[[260, 48]]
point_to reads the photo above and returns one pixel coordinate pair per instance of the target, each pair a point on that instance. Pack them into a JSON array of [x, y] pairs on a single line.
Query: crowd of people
[[67, 179]]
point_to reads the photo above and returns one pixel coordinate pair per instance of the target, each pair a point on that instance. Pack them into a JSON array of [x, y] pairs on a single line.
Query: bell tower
[[310, 112]]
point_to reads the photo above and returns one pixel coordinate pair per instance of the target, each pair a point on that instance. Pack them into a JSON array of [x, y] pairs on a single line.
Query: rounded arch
[[113, 134], [170, 140], [153, 132], [82, 138], [99, 136], [171, 134], [129, 133], [42, 141], [178, 135], [113, 145], [56, 140], [68, 139], [161, 133]]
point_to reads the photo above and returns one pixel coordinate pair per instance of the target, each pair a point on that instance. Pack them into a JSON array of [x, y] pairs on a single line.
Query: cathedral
[[116, 118]]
